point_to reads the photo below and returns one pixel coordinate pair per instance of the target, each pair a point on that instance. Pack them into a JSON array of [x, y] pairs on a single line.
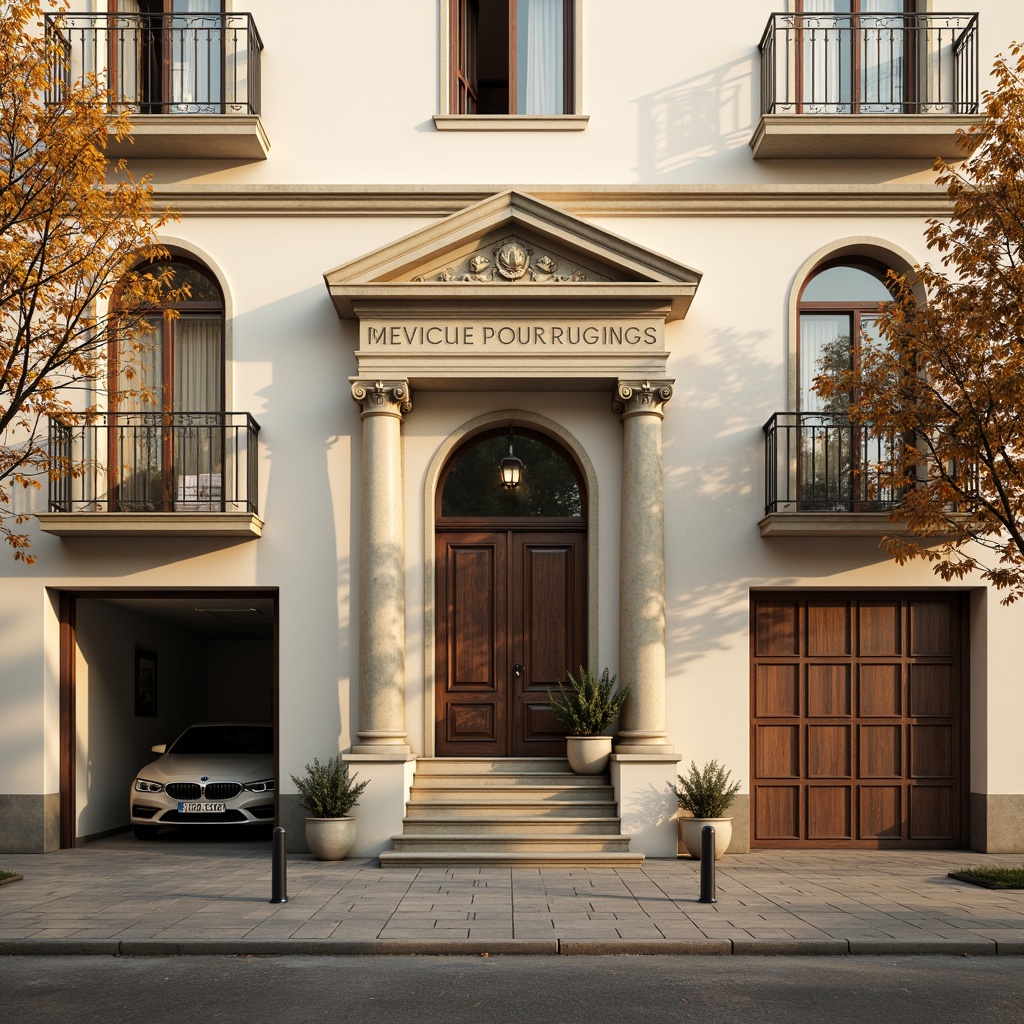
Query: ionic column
[[642, 567], [382, 570]]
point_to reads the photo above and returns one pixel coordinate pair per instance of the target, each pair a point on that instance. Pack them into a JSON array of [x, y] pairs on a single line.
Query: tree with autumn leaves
[[72, 229], [946, 387]]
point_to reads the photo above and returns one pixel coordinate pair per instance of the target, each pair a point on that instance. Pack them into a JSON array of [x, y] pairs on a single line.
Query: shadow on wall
[[696, 118], [714, 479], [310, 428], [653, 807]]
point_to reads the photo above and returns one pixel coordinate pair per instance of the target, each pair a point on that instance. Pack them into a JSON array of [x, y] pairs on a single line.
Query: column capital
[[642, 397], [390, 397]]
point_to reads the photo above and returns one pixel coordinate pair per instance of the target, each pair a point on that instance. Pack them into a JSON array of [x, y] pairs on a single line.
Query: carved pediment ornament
[[510, 260], [513, 260]]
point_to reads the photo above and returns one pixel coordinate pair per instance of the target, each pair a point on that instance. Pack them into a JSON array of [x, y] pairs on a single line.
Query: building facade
[[424, 234]]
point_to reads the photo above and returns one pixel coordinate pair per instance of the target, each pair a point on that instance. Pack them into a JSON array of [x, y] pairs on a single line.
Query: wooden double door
[[511, 621], [859, 720]]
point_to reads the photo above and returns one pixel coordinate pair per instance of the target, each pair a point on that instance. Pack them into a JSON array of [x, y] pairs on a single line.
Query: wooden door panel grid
[[858, 723]]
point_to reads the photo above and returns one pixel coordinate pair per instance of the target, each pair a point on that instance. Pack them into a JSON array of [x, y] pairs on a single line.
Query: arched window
[[167, 401], [180, 365], [838, 314]]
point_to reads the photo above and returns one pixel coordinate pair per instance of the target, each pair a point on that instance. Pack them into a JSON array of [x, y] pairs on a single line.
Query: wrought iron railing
[[820, 462], [870, 64], [163, 63], [155, 462]]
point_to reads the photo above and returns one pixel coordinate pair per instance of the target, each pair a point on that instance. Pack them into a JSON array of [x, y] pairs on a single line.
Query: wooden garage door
[[858, 721]]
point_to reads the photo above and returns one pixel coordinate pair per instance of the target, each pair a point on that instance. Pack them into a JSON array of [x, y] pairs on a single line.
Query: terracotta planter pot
[[588, 755], [689, 835], [330, 838]]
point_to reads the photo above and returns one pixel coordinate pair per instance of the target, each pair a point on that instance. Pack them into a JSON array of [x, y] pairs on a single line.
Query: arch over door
[[511, 598]]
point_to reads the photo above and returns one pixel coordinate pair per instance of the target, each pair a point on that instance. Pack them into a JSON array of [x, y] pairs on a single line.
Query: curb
[[510, 947]]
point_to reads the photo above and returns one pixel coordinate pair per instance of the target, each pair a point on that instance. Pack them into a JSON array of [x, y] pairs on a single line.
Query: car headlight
[[262, 786], [145, 786]]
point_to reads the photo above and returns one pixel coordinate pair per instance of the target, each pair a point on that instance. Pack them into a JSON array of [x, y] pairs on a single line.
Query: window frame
[[455, 78]]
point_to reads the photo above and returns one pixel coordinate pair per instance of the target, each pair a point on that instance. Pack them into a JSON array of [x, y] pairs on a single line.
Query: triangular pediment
[[512, 246]]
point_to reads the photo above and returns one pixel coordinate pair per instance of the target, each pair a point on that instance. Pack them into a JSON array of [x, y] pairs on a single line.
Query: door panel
[[862, 703], [511, 615], [471, 644], [548, 588]]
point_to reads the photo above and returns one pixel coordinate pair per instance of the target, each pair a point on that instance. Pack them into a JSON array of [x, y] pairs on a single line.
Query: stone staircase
[[509, 811]]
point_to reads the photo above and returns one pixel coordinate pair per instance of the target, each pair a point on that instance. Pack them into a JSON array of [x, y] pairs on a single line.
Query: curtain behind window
[[541, 56], [198, 437], [196, 45]]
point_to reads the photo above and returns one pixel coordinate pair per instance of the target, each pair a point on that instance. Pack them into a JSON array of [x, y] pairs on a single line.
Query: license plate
[[199, 807]]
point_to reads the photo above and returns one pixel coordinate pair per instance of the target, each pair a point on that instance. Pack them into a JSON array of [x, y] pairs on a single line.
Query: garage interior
[[137, 669]]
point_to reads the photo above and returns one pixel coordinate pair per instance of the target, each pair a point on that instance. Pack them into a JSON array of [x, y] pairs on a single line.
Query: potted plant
[[328, 793], [587, 709], [706, 794]]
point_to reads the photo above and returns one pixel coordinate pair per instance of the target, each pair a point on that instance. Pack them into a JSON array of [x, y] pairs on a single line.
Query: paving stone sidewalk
[[118, 896]]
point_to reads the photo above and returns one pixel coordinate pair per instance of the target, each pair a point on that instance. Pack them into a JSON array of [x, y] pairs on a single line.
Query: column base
[[632, 742], [382, 751], [388, 744]]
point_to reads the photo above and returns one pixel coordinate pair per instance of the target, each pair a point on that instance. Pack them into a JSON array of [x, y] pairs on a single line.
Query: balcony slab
[[860, 136], [151, 524], [192, 137], [830, 524]]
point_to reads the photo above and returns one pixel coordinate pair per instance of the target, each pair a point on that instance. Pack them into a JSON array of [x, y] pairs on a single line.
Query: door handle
[[517, 669]]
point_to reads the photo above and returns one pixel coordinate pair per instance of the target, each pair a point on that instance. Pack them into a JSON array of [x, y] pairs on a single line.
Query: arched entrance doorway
[[511, 594]]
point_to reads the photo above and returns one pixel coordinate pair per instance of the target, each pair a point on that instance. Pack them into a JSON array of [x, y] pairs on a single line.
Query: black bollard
[[707, 865], [279, 869]]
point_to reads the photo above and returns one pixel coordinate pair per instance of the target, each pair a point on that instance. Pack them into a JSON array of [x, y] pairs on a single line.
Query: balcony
[[192, 81], [826, 477], [155, 474], [849, 86]]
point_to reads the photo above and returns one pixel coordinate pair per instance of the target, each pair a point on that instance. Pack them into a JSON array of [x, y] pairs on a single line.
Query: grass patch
[[8, 876], [992, 877]]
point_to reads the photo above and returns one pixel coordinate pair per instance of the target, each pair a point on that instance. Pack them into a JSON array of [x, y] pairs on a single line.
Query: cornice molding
[[819, 200]]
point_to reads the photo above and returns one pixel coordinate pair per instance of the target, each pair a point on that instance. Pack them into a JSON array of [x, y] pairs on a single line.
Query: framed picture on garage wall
[[145, 683]]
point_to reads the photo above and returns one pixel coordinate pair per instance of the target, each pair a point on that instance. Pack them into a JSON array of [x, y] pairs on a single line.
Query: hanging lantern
[[511, 468]]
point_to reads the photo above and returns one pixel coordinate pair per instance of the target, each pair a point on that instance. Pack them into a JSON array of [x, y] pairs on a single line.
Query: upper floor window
[[168, 55], [512, 57], [855, 57]]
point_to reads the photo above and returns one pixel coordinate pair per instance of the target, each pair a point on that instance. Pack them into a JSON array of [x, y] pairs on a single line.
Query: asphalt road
[[512, 989]]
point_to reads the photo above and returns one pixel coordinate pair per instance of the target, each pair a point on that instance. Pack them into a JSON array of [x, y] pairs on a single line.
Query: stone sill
[[511, 122], [859, 136], [151, 524], [237, 137]]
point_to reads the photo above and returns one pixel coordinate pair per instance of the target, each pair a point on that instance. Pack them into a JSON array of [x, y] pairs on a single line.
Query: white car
[[216, 773]]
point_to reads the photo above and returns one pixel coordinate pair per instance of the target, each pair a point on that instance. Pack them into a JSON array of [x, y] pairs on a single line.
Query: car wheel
[[145, 831]]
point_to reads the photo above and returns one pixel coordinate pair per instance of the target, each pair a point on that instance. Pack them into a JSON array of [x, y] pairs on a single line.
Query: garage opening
[[137, 669]]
